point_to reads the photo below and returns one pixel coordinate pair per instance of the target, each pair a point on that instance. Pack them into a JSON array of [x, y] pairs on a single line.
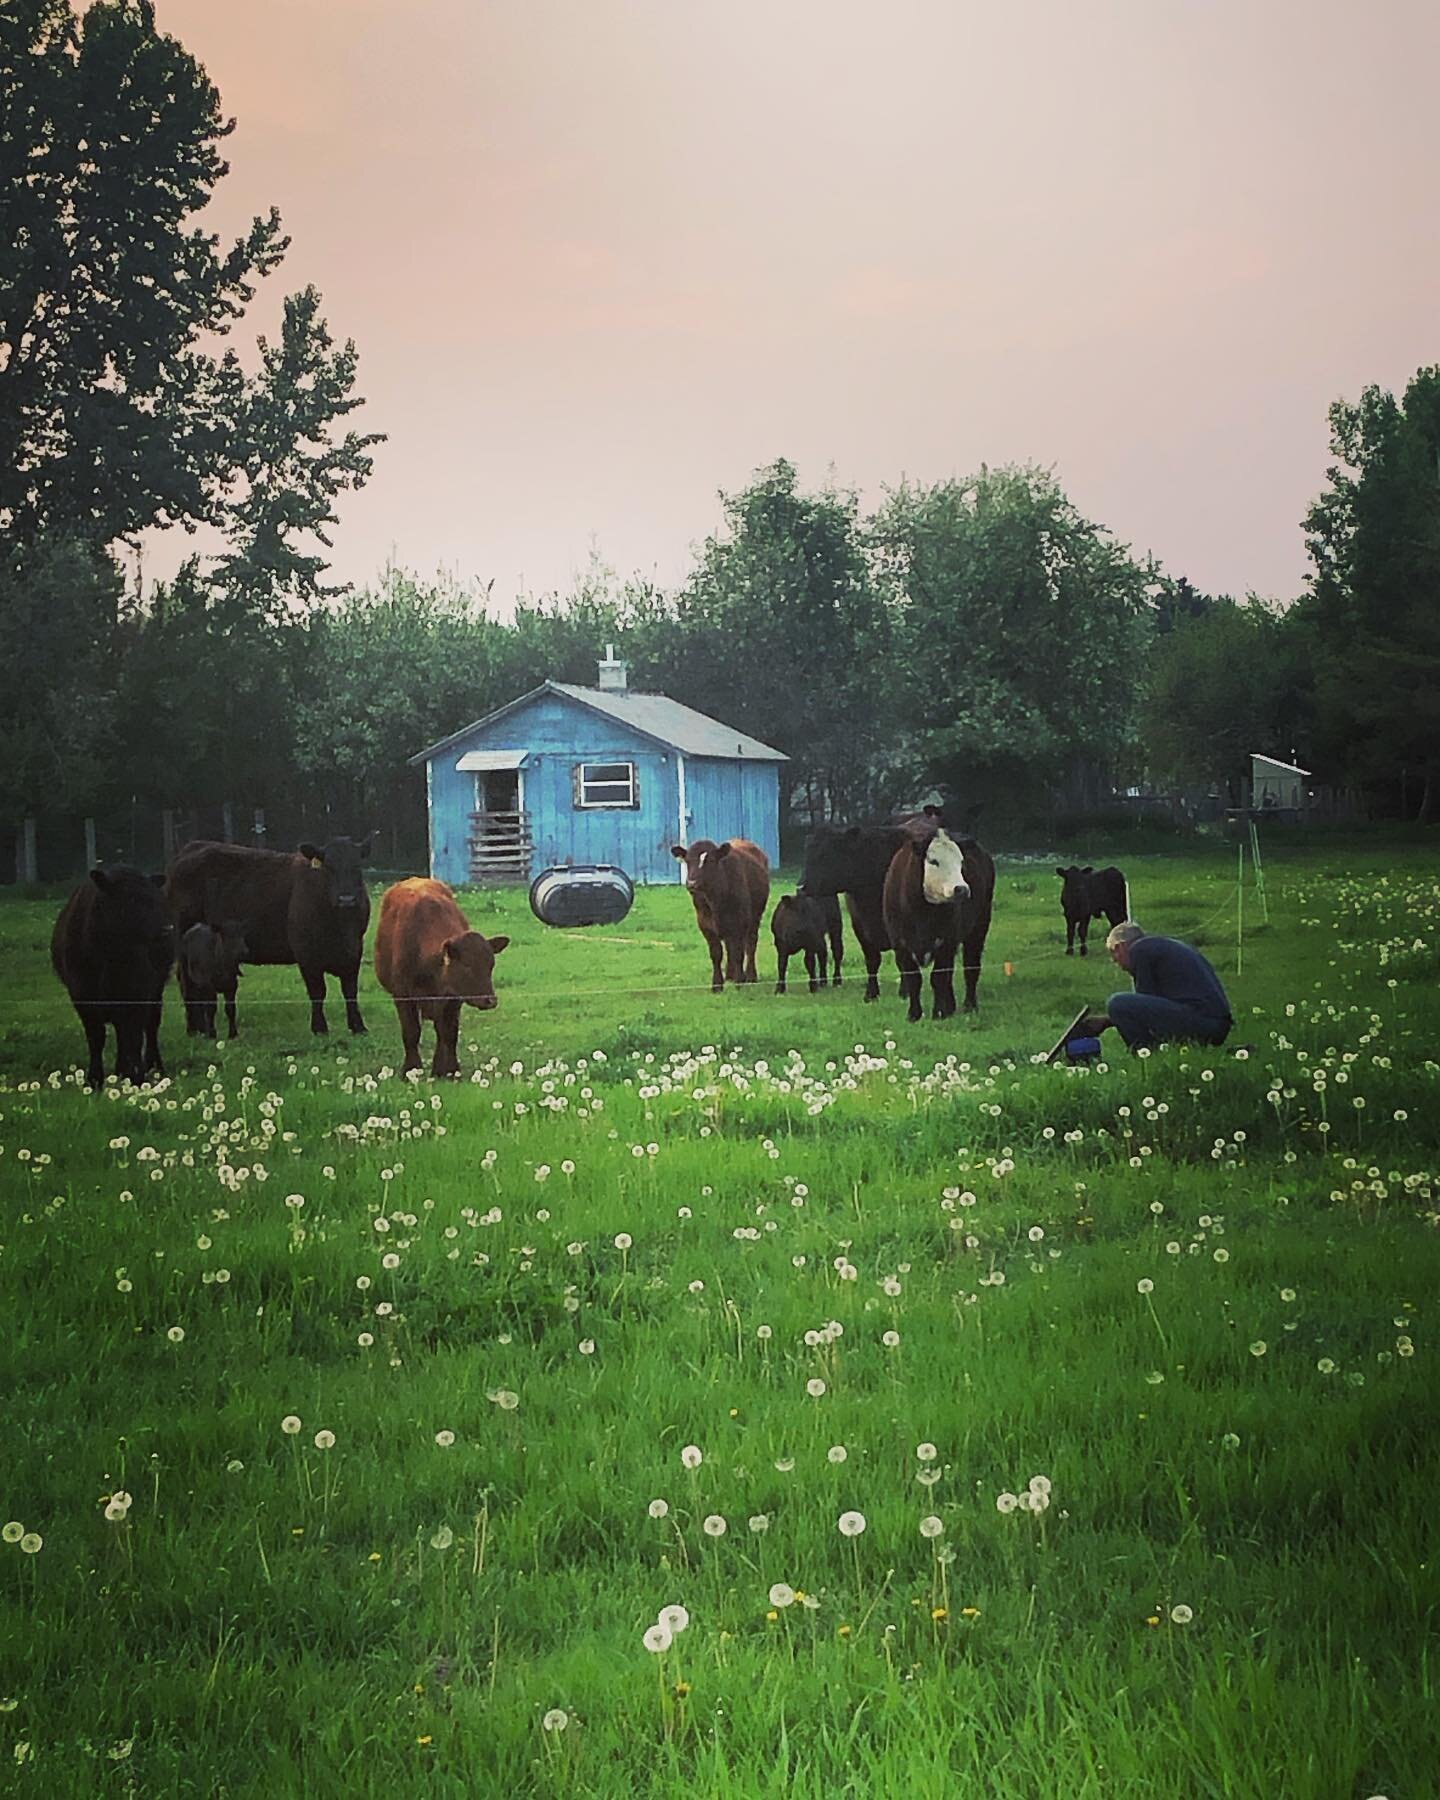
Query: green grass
[[271, 1617]]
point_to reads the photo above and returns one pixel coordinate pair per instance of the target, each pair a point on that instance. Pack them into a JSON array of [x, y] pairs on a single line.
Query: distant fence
[[49, 847]]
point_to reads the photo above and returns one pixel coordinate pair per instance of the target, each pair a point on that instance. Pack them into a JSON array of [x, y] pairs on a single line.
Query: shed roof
[[654, 716], [1274, 763]]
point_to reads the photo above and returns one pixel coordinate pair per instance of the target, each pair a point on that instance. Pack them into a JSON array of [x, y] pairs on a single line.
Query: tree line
[[978, 636]]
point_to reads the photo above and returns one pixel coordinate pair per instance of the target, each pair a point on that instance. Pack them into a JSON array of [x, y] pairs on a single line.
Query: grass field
[[1004, 1429]]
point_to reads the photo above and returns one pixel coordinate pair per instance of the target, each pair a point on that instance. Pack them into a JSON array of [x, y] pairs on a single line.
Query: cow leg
[[153, 1062], [1070, 936], [909, 980], [735, 957], [717, 952], [95, 1043], [810, 966], [349, 985], [408, 1013], [447, 1034], [782, 963], [1084, 936], [231, 1030], [130, 1045], [873, 959], [974, 950], [752, 944], [837, 955], [187, 998], [942, 984], [314, 980], [820, 961]]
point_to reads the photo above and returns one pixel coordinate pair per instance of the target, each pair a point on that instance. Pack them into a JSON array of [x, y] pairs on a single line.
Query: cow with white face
[[939, 895]]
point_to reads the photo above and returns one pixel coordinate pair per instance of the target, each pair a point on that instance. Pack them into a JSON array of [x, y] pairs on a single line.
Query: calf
[[730, 885], [1087, 894], [210, 966], [800, 927], [939, 895], [431, 963], [113, 946]]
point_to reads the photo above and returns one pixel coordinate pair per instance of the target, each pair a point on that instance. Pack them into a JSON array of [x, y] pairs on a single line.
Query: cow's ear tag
[[315, 863]]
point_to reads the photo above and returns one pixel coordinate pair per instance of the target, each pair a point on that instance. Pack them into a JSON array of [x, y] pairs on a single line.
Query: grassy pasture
[[608, 1244]]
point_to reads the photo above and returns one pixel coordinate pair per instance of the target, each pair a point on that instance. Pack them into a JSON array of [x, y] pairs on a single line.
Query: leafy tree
[[1228, 680], [780, 631], [285, 462], [1374, 538], [1021, 632], [59, 607], [111, 420]]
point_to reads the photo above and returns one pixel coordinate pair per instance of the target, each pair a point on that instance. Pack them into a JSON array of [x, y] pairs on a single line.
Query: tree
[[780, 631], [59, 606], [1374, 538], [1021, 634], [285, 462], [111, 420], [1225, 682]]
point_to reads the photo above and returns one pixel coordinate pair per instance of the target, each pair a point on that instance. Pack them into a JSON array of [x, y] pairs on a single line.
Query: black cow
[[311, 909], [1087, 894], [853, 860], [112, 947], [939, 896], [800, 926], [210, 966]]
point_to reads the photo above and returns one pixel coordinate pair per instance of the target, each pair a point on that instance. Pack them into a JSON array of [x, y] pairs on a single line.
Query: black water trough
[[581, 894]]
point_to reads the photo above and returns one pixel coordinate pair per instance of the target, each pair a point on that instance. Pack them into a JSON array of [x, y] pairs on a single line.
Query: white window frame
[[584, 780]]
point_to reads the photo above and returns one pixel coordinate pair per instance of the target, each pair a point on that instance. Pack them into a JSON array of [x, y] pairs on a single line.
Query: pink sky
[[603, 258]]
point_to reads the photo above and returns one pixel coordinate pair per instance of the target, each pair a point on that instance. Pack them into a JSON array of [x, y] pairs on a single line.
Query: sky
[[603, 259]]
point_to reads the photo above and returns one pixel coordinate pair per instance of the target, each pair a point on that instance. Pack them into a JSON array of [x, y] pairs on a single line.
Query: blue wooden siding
[[734, 799]]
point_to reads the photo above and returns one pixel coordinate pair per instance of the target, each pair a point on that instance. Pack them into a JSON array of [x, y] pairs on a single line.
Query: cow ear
[[447, 951], [1089, 869], [497, 944], [310, 850], [678, 850], [1062, 873], [101, 880], [722, 849]]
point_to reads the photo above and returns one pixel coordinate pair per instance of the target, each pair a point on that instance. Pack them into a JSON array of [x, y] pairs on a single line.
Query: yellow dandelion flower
[[939, 1614], [969, 1612], [427, 1739], [375, 1556], [1154, 1619], [682, 1689], [842, 1631], [772, 1615]]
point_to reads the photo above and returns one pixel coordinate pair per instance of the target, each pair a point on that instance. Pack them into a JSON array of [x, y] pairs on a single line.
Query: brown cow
[[939, 894], [730, 885], [431, 963]]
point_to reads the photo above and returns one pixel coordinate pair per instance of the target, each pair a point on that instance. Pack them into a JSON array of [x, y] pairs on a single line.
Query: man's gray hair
[[1127, 932]]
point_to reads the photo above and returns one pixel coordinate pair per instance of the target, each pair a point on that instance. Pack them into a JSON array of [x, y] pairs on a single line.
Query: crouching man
[[1177, 996]]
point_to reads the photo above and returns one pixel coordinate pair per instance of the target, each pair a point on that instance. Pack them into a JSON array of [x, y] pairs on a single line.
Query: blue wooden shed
[[593, 775]]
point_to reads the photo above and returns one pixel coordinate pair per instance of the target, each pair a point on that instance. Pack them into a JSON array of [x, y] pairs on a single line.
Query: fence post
[[1240, 913], [259, 827], [167, 827], [227, 822], [26, 867], [90, 857], [1259, 868]]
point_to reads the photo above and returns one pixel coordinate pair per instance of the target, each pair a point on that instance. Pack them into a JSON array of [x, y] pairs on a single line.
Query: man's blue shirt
[[1175, 971]]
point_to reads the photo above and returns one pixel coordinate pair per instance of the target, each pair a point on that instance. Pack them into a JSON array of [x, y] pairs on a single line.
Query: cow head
[[944, 871], [1076, 883], [831, 860], [340, 861], [468, 968], [134, 909], [702, 856]]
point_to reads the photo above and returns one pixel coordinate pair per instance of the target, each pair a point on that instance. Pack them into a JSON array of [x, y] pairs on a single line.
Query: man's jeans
[[1145, 1020]]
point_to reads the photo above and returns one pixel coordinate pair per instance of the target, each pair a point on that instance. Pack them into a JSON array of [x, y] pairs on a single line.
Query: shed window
[[609, 784]]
